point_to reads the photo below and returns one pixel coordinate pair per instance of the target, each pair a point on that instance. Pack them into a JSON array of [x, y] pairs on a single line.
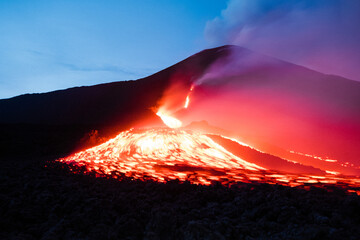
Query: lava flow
[[163, 154]]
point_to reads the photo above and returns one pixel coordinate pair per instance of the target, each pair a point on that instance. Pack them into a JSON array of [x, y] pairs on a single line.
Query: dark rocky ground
[[38, 202]]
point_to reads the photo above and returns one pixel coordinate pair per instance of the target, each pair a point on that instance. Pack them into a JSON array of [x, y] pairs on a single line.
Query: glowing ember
[[165, 154]]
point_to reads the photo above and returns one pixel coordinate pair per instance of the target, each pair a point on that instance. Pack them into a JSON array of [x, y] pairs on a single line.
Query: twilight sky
[[50, 45]]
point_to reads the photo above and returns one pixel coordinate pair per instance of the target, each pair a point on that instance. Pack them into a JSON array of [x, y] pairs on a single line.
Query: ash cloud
[[322, 35]]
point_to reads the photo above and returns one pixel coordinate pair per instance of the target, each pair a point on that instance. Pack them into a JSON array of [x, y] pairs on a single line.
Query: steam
[[322, 35]]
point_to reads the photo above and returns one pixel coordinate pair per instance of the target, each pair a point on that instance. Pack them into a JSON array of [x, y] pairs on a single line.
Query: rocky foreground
[[38, 202]]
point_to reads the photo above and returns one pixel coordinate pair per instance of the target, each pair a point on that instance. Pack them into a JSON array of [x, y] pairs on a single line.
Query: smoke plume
[[322, 35]]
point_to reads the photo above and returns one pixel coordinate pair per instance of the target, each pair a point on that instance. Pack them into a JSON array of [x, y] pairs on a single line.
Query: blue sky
[[50, 45], [47, 45]]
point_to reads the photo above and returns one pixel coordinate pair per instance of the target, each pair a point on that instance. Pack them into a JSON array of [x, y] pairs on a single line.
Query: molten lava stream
[[164, 154], [160, 154]]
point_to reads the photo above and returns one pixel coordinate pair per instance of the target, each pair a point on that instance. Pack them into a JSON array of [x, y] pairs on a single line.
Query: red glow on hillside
[[293, 137], [165, 114], [281, 124]]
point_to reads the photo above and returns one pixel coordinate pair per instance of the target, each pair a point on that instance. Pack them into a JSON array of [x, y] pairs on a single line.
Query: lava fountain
[[166, 117]]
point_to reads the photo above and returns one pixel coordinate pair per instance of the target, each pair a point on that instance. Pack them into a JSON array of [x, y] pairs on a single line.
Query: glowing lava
[[169, 121], [163, 154], [160, 154], [187, 100]]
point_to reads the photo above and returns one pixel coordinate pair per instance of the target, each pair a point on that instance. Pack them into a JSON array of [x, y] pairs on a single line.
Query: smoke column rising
[[323, 35]]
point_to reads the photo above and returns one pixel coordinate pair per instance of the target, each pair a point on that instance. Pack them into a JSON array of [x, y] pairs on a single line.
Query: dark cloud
[[323, 35]]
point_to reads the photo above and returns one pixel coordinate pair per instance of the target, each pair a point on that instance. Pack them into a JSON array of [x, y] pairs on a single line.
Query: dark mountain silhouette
[[259, 98], [111, 103], [55, 122]]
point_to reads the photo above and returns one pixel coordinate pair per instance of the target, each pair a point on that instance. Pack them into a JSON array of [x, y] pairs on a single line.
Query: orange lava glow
[[169, 121], [163, 154], [316, 157], [187, 100]]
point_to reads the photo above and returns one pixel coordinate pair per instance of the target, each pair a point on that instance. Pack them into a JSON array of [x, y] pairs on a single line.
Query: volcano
[[272, 118], [227, 144]]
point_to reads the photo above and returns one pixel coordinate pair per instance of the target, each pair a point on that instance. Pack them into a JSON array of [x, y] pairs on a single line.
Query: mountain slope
[[103, 103], [265, 100], [55, 122], [255, 97]]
